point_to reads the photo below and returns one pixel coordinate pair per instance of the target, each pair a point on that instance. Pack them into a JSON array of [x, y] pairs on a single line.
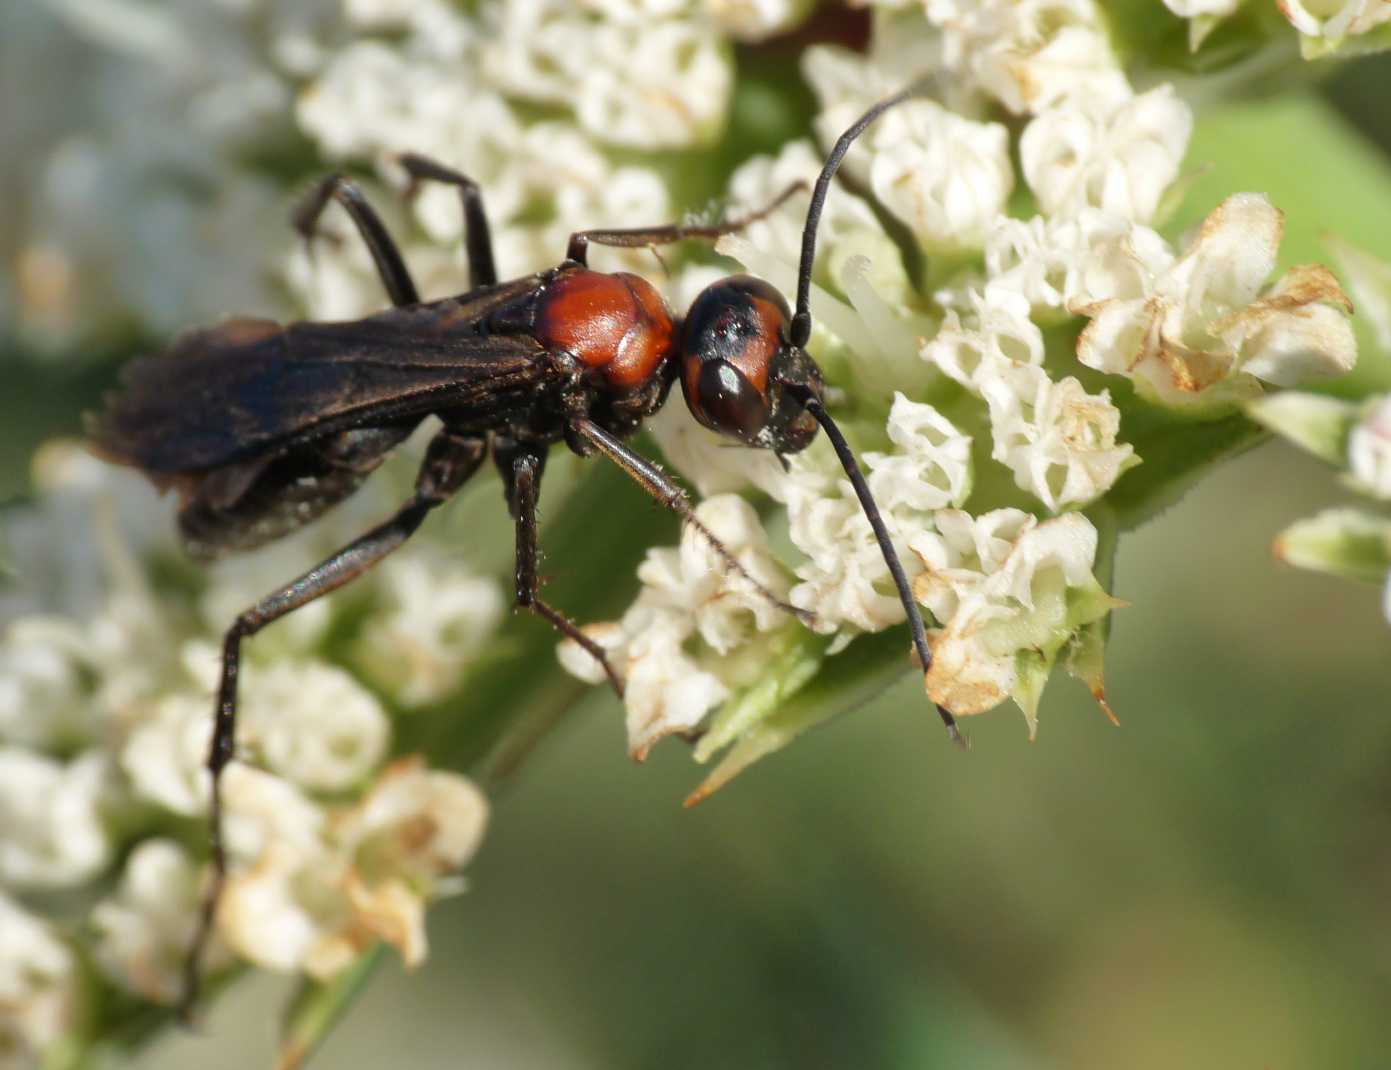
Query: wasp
[[260, 427]]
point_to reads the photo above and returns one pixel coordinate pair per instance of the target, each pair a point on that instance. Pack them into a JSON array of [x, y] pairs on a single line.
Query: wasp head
[[740, 373]]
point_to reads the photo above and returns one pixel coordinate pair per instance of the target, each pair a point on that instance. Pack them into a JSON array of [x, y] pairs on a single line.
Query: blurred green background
[[1208, 885]]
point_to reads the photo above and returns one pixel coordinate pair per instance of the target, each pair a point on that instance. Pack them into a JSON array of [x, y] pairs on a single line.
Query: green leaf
[[318, 1006]]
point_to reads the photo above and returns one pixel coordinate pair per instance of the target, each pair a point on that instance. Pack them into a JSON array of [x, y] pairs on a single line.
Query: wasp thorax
[[615, 323], [737, 365]]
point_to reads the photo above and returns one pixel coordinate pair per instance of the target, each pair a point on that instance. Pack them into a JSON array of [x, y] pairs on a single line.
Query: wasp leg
[[587, 436], [640, 237], [524, 483], [391, 268], [450, 460], [478, 240]]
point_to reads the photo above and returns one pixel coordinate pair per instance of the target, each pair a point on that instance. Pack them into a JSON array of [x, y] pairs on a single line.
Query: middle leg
[[522, 474]]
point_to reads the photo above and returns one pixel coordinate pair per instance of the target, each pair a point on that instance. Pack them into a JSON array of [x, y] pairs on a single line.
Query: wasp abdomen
[[618, 323]]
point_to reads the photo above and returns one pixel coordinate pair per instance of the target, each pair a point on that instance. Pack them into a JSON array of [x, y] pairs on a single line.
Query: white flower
[[848, 226], [946, 176], [282, 895], [1200, 330], [1369, 449], [997, 333], [435, 620], [931, 466], [282, 910], [1090, 153], [1028, 54], [1059, 441], [694, 580], [317, 891], [1012, 593], [311, 723], [41, 697], [145, 929], [165, 756], [52, 832], [690, 599], [413, 828], [39, 986], [415, 823], [644, 83], [844, 579]]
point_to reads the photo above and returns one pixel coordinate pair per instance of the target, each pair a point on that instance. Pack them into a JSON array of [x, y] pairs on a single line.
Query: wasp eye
[[727, 402]]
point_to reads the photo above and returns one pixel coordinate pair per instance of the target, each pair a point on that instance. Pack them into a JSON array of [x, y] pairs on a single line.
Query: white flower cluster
[[675, 647], [105, 718], [1010, 595]]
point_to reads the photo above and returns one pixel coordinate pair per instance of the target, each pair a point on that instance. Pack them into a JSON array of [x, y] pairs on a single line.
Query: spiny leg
[[523, 485], [478, 241], [391, 268], [639, 237], [450, 459], [588, 436]]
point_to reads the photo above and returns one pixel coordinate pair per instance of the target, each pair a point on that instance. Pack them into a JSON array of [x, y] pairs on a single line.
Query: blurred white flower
[[1369, 449], [321, 887], [165, 756], [144, 930], [433, 621], [311, 723], [657, 81], [52, 830], [1201, 330], [281, 896], [40, 983], [414, 828], [1092, 153], [41, 694]]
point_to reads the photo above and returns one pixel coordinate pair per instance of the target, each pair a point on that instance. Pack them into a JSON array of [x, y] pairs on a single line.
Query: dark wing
[[247, 388]]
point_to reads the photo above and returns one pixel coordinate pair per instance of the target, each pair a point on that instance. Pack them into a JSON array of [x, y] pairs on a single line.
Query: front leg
[[523, 485]]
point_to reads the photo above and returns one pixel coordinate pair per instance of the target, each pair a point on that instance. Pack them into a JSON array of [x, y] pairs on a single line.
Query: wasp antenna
[[800, 330], [886, 547]]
